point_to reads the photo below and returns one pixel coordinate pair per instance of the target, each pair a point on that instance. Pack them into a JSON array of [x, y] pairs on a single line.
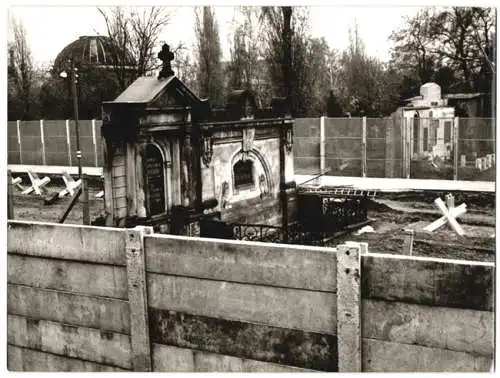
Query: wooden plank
[[288, 308], [428, 281], [73, 242], [455, 329], [89, 344], [92, 279], [82, 310], [384, 356], [136, 279], [349, 308], [174, 359], [244, 339], [246, 262], [24, 359]]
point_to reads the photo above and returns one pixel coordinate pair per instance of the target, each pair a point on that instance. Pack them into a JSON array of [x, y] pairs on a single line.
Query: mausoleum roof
[[147, 89]]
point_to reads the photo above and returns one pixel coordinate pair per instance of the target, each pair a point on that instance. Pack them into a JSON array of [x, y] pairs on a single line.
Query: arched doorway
[[154, 180]]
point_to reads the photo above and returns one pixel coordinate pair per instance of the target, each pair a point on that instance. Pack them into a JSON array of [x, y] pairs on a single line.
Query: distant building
[[473, 105], [429, 122], [100, 77], [95, 51]]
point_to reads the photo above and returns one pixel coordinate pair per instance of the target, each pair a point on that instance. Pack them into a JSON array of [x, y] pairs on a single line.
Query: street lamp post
[[73, 78], [74, 93]]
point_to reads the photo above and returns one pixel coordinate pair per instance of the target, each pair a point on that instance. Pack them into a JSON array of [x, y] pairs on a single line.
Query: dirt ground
[[390, 213]]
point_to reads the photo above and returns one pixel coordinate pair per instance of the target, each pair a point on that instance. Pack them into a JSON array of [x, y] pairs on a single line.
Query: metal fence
[[426, 148], [53, 142]]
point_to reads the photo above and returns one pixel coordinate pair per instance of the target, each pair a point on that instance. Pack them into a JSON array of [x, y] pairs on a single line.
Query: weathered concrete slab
[[455, 329], [168, 358], [428, 281], [310, 311], [72, 242], [82, 310], [24, 359], [290, 266], [92, 279], [89, 344], [245, 340], [385, 356]]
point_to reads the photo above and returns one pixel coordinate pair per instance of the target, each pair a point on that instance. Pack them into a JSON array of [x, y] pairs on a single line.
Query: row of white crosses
[[450, 213], [38, 185]]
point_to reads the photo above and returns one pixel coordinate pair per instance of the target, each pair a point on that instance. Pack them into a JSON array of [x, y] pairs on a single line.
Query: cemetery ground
[[391, 214]]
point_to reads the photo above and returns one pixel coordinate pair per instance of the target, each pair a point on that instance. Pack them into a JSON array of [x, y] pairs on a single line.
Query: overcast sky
[[50, 29]]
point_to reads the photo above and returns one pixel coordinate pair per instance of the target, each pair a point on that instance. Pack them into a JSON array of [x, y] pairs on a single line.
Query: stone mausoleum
[[172, 161], [430, 120]]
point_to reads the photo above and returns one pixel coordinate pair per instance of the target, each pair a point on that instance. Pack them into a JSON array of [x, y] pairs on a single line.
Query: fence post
[[349, 307], [455, 149], [95, 143], [408, 147], [363, 148], [404, 133], [10, 196], [137, 296], [68, 142], [321, 146], [408, 241], [18, 125], [42, 139], [85, 199]]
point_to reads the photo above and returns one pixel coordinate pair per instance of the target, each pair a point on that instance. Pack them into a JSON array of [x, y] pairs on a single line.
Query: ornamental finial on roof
[[166, 56]]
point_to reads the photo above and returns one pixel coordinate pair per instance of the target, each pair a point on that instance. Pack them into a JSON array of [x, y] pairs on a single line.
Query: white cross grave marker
[[449, 215], [455, 212], [71, 185], [37, 184], [17, 182]]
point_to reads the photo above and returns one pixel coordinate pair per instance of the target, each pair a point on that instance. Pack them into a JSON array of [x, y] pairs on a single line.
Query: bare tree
[[134, 38], [209, 79], [245, 50], [286, 35], [20, 70], [185, 68]]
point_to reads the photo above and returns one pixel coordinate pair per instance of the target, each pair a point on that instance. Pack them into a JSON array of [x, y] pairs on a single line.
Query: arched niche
[[250, 177], [155, 183]]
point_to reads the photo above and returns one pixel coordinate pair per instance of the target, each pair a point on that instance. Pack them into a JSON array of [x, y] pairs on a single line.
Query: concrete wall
[[101, 299], [58, 145]]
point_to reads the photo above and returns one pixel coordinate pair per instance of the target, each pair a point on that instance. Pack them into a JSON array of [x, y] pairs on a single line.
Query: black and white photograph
[[210, 188]]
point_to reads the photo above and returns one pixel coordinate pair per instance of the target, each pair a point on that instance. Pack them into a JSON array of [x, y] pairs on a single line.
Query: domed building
[[94, 52], [104, 71]]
